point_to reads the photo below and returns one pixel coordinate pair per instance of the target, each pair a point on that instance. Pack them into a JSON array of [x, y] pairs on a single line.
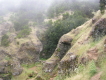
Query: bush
[[5, 40], [102, 6], [24, 33], [65, 16], [57, 29], [18, 43]]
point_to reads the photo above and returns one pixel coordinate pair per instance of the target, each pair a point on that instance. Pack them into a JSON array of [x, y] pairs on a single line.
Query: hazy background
[[14, 5], [37, 11]]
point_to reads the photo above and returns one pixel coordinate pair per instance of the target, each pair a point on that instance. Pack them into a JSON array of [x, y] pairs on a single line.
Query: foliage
[[49, 23], [27, 12], [101, 64], [24, 32], [26, 74], [59, 6], [19, 24], [60, 77], [92, 68], [102, 6], [30, 65], [65, 16], [5, 40], [57, 29]]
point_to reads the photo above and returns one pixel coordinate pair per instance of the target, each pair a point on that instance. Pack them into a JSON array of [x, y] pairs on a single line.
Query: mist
[[16, 5]]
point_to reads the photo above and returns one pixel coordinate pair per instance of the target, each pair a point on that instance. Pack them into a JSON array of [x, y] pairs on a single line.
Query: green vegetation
[[92, 68], [30, 71], [60, 6], [28, 11], [23, 33], [101, 64], [83, 72], [26, 74], [60, 77], [31, 65], [102, 6], [6, 75], [81, 11], [5, 40], [57, 29], [21, 26], [7, 58]]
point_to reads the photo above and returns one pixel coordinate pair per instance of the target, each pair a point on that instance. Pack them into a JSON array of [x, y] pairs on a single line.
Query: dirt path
[[96, 76]]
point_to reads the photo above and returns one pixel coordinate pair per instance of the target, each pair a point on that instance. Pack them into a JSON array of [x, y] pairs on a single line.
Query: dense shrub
[[5, 40], [57, 29], [24, 32], [102, 6]]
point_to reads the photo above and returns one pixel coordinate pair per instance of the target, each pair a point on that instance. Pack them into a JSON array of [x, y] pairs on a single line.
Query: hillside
[[53, 40], [80, 55], [83, 45]]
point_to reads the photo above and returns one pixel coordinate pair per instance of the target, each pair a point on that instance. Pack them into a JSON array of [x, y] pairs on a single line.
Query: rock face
[[99, 28], [66, 66], [29, 52], [63, 45], [8, 66]]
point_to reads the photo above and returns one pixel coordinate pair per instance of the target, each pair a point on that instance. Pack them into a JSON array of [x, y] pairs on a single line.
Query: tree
[[102, 6]]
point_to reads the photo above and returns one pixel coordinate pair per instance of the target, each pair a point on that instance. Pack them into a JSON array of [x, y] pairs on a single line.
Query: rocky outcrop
[[63, 45], [8, 66], [99, 28], [29, 52], [68, 65]]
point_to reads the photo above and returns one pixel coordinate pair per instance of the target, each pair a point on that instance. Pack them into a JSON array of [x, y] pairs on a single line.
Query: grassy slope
[[86, 72]]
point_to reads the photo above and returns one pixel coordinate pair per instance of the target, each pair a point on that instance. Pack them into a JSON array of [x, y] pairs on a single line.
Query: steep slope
[[81, 45]]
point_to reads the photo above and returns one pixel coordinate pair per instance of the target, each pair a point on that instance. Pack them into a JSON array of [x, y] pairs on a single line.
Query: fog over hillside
[[52, 39], [11, 4], [14, 5]]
